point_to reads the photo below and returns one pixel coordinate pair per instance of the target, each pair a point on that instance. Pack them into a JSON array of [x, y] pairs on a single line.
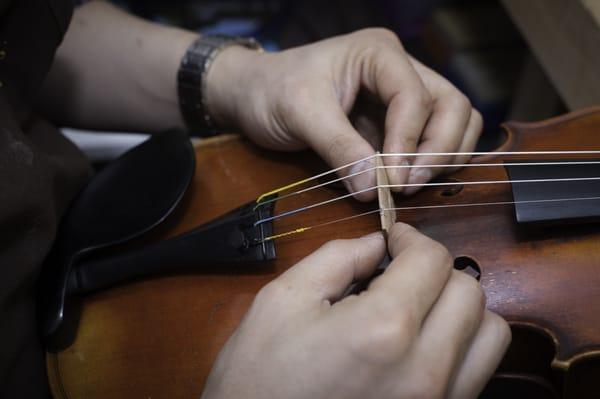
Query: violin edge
[[511, 124]]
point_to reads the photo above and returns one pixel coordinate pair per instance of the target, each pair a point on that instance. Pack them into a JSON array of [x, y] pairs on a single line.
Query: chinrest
[[127, 198]]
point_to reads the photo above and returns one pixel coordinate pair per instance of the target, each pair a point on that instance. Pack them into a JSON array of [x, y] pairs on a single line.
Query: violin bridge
[[387, 207]]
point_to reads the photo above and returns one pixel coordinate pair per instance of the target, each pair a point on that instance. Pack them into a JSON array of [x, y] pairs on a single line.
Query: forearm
[[116, 71]]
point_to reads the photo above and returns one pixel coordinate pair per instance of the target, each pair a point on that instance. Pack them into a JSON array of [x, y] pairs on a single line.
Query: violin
[[534, 246]]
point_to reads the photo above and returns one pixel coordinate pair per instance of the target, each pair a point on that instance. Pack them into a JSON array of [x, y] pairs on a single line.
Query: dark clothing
[[40, 172]]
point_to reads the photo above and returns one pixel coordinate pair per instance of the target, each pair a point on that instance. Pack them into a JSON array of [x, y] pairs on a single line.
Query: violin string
[[428, 184], [405, 208], [460, 165], [260, 200], [481, 153], [303, 229]]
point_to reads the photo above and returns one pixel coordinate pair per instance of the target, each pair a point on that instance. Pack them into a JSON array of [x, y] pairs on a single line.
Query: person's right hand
[[420, 330], [347, 97]]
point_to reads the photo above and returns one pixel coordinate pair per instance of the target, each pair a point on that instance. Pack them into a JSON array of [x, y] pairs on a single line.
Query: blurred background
[[474, 43], [515, 59]]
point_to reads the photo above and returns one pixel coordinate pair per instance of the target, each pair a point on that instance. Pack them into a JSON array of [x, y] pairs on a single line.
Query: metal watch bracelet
[[191, 80]]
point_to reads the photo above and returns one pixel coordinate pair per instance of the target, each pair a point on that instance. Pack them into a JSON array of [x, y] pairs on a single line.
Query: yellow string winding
[[287, 233], [284, 188]]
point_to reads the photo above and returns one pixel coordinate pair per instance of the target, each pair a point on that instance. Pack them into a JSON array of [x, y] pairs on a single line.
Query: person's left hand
[[419, 330], [304, 96]]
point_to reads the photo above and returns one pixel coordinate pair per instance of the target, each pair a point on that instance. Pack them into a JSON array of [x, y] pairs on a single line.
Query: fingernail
[[398, 175], [361, 181], [417, 176]]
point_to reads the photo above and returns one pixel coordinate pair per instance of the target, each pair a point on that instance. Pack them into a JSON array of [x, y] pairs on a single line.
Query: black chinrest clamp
[[232, 239]]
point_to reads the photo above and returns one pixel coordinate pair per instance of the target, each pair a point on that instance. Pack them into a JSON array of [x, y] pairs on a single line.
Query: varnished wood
[[158, 338]]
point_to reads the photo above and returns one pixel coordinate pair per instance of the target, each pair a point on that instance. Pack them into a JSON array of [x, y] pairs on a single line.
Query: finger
[[404, 123], [443, 134], [389, 75], [328, 130], [326, 273], [405, 120], [367, 117], [414, 279], [472, 134], [445, 130], [482, 359], [450, 326]]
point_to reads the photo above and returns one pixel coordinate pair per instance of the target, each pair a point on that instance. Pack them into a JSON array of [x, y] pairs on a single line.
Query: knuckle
[[459, 101], [438, 251], [333, 245], [409, 143], [381, 34], [400, 229], [424, 99], [477, 119], [344, 250], [386, 340], [417, 95], [337, 147], [501, 328], [401, 232], [471, 288], [459, 160], [436, 255], [272, 292], [386, 335]]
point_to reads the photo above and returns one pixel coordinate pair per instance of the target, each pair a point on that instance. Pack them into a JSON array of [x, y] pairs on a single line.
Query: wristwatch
[[191, 79]]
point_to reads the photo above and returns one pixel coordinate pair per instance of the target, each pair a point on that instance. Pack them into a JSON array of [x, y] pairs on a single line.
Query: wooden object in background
[[565, 37]]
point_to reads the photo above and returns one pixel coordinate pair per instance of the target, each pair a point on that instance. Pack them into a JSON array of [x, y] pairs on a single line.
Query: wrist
[[228, 85]]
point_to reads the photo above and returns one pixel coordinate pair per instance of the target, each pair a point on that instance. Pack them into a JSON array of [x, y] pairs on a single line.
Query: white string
[[318, 204], [480, 153], [461, 165], [473, 153], [546, 200], [405, 208]]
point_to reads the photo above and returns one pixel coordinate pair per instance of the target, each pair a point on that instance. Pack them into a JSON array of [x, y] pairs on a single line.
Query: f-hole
[[468, 265]]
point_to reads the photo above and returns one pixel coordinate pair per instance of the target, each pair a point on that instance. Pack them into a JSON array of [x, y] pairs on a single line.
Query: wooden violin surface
[[159, 337]]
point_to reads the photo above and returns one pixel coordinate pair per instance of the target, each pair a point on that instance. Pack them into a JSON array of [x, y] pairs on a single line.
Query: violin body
[[159, 337]]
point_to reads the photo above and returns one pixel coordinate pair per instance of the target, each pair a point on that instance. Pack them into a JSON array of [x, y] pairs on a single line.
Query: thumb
[[326, 273], [329, 132]]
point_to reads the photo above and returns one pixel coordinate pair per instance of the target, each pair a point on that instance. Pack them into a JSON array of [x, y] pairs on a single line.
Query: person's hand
[[309, 95], [420, 330]]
